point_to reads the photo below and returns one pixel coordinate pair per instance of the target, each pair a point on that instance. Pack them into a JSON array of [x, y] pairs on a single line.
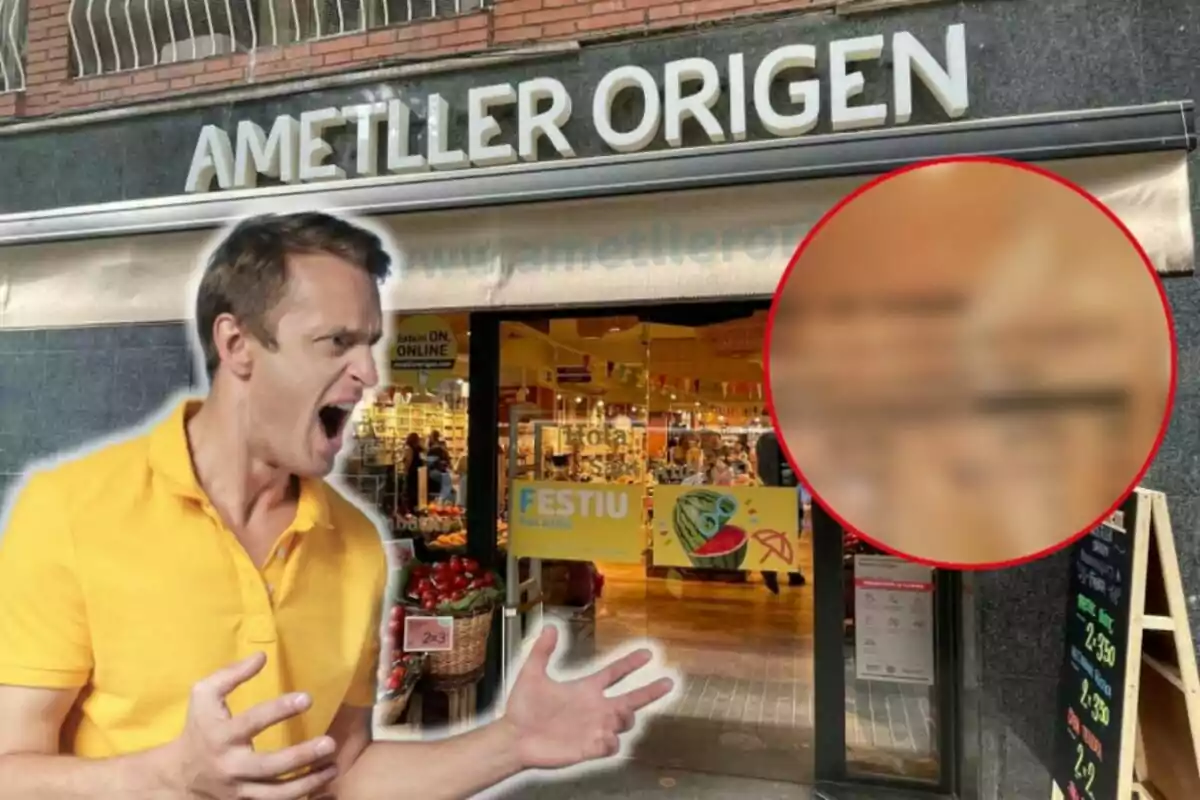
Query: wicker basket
[[471, 632]]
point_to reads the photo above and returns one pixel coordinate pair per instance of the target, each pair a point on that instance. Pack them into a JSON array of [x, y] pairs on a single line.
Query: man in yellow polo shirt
[[194, 611]]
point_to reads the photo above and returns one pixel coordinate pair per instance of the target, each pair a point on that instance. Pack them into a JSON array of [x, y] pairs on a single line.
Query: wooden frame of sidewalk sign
[[1159, 752]]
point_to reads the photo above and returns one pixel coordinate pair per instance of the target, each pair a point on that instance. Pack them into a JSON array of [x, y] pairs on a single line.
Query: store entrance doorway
[[644, 435], [664, 410]]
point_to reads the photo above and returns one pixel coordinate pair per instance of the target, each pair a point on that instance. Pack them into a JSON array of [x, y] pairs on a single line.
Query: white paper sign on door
[[893, 620]]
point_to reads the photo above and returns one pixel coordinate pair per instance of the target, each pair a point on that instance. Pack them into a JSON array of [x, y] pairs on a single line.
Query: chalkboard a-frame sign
[[1128, 721], [1091, 686]]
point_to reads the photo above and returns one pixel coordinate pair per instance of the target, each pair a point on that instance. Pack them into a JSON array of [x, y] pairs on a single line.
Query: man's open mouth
[[333, 418]]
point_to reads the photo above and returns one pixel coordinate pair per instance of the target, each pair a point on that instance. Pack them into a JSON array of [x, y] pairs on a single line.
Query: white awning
[[697, 244]]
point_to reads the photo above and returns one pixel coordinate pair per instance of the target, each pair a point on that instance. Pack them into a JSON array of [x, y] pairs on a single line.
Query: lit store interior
[[654, 404]]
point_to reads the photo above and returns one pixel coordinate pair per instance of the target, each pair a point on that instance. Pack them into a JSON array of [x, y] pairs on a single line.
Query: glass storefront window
[[407, 458], [642, 494], [408, 453]]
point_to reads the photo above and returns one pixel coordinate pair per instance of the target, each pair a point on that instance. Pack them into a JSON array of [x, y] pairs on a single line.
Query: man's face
[[303, 391]]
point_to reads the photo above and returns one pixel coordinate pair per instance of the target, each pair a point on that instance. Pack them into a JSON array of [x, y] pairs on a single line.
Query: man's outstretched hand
[[560, 724]]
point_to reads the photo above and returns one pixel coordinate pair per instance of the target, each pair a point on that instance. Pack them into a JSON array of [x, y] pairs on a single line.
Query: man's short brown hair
[[246, 275]]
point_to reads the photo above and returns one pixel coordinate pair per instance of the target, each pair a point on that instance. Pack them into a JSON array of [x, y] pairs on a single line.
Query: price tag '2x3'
[[428, 634]]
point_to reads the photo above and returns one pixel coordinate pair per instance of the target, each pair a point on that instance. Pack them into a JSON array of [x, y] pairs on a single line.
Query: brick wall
[[518, 21], [507, 23], [50, 88]]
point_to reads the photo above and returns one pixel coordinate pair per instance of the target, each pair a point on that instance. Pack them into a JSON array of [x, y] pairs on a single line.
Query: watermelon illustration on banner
[[726, 527], [700, 521]]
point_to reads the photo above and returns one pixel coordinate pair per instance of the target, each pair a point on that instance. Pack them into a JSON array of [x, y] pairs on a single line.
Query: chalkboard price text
[[1092, 679]]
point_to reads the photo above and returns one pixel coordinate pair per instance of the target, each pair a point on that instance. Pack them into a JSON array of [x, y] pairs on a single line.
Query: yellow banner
[[576, 521], [727, 527], [422, 352]]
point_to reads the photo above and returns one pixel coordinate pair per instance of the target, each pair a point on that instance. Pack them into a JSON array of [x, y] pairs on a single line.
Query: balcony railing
[[13, 40], [110, 36]]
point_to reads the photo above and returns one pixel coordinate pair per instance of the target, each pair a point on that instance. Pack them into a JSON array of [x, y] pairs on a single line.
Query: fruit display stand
[[461, 590], [431, 521], [455, 543]]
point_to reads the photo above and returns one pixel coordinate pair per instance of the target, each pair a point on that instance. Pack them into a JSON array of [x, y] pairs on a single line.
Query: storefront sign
[[576, 522], [296, 150], [727, 527], [893, 620], [608, 436], [423, 351]]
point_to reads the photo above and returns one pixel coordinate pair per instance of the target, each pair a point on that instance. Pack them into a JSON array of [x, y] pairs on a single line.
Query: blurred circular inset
[[971, 362]]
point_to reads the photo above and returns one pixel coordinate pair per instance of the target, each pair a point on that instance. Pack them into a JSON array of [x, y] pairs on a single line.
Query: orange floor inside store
[[746, 655], [747, 659]]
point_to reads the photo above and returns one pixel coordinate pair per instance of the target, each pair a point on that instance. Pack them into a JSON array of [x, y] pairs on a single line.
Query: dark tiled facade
[[1019, 612], [59, 388]]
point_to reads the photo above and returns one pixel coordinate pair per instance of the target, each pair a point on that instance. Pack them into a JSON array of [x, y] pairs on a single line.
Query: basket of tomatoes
[[459, 588], [401, 679]]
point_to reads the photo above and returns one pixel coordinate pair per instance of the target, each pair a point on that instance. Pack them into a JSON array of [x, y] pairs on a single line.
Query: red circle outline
[[1137, 246]]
